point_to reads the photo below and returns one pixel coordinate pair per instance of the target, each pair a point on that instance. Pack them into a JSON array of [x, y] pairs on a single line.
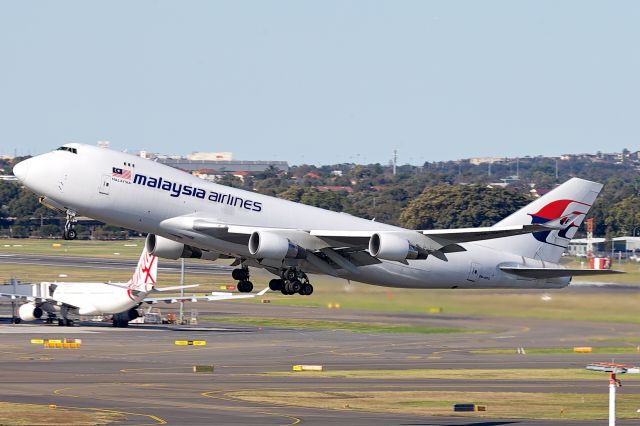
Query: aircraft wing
[[556, 272], [465, 235], [24, 297], [34, 299], [317, 239], [215, 296]]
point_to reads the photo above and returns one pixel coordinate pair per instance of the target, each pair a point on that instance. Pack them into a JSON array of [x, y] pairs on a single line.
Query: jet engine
[[270, 245], [122, 319], [29, 312], [169, 249], [388, 246]]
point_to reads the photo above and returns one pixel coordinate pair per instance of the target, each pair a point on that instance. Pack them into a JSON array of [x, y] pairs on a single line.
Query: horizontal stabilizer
[[556, 272], [178, 287]]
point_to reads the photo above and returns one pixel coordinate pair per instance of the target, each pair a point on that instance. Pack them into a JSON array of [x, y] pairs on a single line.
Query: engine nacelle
[[270, 245], [29, 312], [169, 249], [388, 246]]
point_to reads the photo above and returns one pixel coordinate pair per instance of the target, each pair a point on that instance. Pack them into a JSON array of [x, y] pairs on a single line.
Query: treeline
[[435, 195]]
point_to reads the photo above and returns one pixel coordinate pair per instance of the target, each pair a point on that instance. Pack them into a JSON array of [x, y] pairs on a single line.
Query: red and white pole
[[613, 383]]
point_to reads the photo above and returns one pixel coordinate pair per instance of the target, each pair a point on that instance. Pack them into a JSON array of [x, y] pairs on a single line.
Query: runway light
[[583, 349]]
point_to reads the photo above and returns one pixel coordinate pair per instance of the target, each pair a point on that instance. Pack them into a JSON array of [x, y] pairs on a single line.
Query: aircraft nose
[[21, 170]]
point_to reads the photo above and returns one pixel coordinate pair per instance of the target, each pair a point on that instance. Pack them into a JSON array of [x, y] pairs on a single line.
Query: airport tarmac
[[140, 372], [110, 264]]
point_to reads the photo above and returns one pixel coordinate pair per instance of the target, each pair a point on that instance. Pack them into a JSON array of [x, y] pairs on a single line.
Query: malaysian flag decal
[[121, 173]]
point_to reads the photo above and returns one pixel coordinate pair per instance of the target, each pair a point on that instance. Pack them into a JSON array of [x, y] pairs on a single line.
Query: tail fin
[[567, 204], [145, 275]]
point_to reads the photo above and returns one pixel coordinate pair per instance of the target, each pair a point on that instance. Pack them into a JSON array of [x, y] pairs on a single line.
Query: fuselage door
[[474, 271], [104, 185]]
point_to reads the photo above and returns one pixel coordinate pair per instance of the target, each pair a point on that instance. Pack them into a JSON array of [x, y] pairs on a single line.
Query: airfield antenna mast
[[182, 290], [589, 238], [395, 161]]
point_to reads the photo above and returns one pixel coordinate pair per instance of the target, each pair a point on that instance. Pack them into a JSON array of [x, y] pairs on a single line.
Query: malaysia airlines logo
[[121, 174], [570, 214]]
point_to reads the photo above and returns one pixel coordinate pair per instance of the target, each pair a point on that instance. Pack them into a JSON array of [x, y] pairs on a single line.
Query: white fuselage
[[84, 182], [95, 298]]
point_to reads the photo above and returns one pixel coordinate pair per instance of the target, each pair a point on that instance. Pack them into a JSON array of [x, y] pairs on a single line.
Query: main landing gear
[[292, 281], [242, 275], [69, 232], [63, 320]]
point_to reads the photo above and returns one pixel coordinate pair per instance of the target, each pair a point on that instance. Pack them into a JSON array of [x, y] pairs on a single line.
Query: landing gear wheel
[[306, 289], [69, 231], [245, 286], [60, 322], [276, 285], [294, 286], [16, 320], [240, 274]]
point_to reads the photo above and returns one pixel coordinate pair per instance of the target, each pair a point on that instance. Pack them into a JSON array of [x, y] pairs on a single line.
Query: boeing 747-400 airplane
[[189, 217]]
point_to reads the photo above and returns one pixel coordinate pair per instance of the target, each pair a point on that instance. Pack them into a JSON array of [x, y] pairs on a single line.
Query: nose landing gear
[[69, 232]]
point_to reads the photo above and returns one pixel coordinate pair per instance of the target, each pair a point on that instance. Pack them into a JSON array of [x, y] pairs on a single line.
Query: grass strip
[[355, 327], [462, 374], [543, 406], [33, 415]]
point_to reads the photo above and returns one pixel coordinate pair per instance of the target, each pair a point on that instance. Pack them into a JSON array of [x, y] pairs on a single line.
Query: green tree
[[457, 206]]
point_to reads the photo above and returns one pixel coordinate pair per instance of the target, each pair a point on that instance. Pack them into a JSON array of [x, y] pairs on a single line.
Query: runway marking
[[153, 369], [224, 397], [59, 393], [158, 420]]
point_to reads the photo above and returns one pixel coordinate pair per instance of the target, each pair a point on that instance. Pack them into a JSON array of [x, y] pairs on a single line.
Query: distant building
[[216, 163], [486, 160], [329, 188], [578, 247], [210, 156]]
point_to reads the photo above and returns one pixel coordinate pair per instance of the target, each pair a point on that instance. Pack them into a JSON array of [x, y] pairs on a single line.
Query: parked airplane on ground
[[105, 298], [188, 217]]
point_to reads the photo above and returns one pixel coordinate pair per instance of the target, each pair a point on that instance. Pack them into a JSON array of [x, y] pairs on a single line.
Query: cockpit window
[[66, 148]]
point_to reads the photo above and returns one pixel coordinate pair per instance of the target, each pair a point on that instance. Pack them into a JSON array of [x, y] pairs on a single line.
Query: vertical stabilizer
[[145, 275], [568, 203]]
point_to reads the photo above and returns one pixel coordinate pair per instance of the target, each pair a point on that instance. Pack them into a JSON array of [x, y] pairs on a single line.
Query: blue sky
[[322, 82]]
